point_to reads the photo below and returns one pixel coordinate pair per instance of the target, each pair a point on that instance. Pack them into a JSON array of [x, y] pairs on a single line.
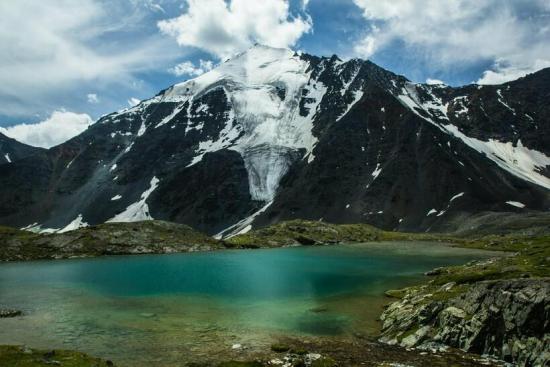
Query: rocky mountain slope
[[12, 150], [273, 135]]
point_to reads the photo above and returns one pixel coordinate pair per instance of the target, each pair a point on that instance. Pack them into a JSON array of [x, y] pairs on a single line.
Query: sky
[[64, 63]]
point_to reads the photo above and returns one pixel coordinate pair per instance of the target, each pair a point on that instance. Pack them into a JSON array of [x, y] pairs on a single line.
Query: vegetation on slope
[[528, 248], [165, 237], [529, 258], [104, 239], [303, 232]]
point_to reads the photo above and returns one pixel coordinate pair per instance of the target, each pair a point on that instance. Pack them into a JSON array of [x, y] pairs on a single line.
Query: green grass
[[240, 364], [529, 257], [17, 356], [310, 233]]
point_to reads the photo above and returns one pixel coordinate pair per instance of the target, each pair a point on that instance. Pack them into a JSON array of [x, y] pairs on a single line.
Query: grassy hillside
[[489, 231], [303, 232]]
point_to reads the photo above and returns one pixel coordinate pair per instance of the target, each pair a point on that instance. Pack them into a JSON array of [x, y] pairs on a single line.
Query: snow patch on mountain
[[517, 204], [263, 127], [517, 159], [139, 210], [347, 83], [169, 118], [357, 95], [456, 197], [227, 137], [243, 226], [376, 171], [77, 223], [501, 100]]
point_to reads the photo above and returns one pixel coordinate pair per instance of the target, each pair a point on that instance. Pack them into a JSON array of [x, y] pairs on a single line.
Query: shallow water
[[169, 309]]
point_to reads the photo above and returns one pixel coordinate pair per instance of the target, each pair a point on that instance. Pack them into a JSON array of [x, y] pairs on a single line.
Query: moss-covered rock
[[303, 232], [6, 312], [280, 348], [499, 307]]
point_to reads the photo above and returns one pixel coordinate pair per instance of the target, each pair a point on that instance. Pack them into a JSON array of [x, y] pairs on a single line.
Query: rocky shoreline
[[506, 319], [499, 307]]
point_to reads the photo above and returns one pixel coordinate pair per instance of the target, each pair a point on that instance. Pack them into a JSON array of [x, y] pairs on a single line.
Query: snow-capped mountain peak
[[272, 134], [263, 87]]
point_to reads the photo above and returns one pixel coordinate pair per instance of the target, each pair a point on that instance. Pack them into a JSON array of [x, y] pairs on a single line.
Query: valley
[[290, 210], [518, 254]]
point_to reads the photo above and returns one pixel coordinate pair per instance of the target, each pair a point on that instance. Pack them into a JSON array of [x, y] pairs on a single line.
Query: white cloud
[[502, 74], [133, 101], [224, 28], [450, 33], [188, 68], [431, 81], [92, 98], [154, 6], [53, 48], [366, 46], [59, 127]]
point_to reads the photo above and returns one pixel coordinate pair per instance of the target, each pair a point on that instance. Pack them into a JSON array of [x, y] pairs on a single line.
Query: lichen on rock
[[507, 319]]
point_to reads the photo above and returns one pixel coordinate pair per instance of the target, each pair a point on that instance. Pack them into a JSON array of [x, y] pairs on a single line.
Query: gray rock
[[505, 319], [9, 313]]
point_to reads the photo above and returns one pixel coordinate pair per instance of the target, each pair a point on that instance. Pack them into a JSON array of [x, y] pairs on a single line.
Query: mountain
[[12, 150], [273, 135]]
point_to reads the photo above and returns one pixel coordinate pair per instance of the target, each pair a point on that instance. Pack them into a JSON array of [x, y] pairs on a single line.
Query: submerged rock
[[507, 319], [147, 314], [9, 313]]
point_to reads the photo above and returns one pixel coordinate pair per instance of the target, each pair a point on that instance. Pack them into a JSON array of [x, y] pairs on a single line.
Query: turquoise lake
[[167, 309]]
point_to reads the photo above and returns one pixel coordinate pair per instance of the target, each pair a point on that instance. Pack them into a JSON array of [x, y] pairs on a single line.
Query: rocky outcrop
[[148, 237], [507, 319]]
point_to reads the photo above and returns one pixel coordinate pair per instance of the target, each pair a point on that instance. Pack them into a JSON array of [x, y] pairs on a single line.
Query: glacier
[[264, 87]]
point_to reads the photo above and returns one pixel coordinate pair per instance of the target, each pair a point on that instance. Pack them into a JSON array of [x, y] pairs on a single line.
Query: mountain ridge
[[13, 150], [275, 135]]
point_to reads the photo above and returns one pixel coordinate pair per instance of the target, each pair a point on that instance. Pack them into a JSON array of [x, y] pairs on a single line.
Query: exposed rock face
[[507, 319], [274, 135]]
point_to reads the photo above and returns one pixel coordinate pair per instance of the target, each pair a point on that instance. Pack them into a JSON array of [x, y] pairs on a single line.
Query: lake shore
[[530, 260]]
